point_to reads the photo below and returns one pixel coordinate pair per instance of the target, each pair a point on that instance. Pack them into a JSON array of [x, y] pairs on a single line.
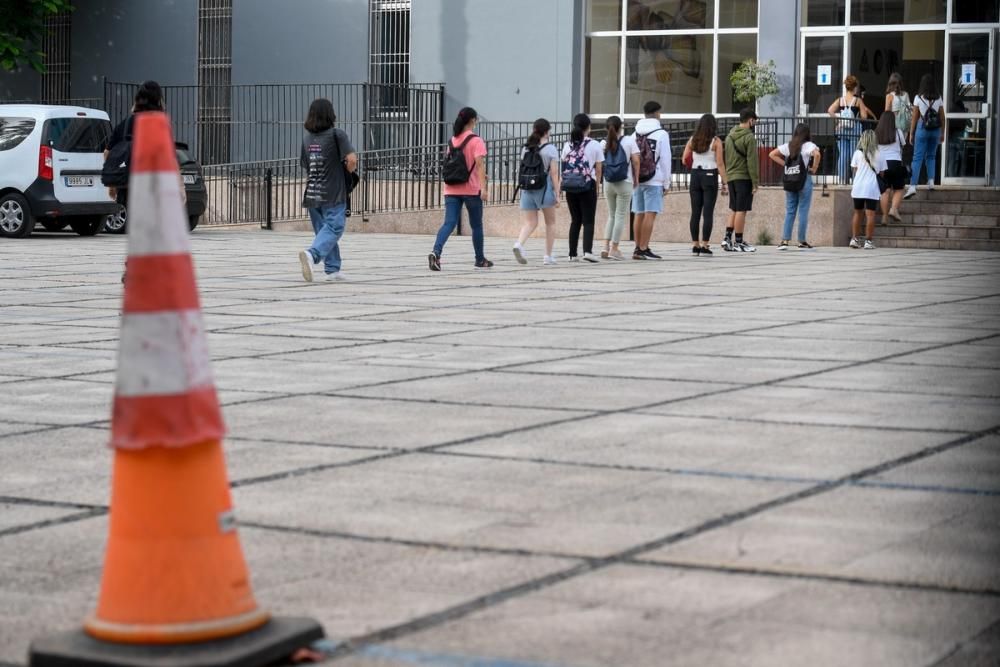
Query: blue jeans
[[798, 201], [847, 143], [452, 216], [925, 145], [328, 222]]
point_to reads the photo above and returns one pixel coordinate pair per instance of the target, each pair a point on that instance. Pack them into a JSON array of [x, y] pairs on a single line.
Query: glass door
[[822, 72], [969, 92]]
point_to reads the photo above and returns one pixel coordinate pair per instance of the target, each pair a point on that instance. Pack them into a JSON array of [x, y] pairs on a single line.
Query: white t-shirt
[[661, 138], [592, 152], [706, 160], [922, 104], [893, 151], [808, 150], [865, 184]]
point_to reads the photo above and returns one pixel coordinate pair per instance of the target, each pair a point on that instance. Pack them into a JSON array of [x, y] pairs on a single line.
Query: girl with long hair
[[800, 150], [708, 164], [890, 145], [898, 102], [545, 200], [621, 175], [925, 132], [470, 193], [582, 159], [868, 165]]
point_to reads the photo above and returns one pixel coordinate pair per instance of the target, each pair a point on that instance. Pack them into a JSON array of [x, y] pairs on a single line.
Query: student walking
[[890, 146], [654, 177], [743, 172], [849, 108], [925, 132], [898, 102], [708, 163], [799, 160], [621, 175], [464, 173], [582, 160], [328, 157], [868, 165], [539, 165]]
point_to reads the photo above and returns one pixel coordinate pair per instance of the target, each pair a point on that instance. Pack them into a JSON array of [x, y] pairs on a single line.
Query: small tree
[[753, 81], [22, 29]]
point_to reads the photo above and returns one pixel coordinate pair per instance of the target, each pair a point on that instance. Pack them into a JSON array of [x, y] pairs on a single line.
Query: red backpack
[[647, 157]]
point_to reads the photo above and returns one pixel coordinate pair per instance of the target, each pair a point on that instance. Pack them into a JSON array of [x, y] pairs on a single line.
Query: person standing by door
[[925, 133], [849, 108], [708, 163], [799, 160]]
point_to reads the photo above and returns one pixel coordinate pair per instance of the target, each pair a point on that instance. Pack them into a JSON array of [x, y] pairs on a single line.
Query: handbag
[[883, 184]]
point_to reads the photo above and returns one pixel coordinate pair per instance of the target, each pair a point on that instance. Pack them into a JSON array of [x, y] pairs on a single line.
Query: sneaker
[[869, 245], [910, 191], [638, 254], [894, 214], [616, 255], [334, 277], [743, 246], [930, 186], [727, 245], [705, 250], [855, 243], [605, 254], [548, 260], [589, 257], [484, 263], [574, 258], [434, 262], [519, 254], [804, 245], [307, 262], [696, 250], [783, 245], [650, 254]]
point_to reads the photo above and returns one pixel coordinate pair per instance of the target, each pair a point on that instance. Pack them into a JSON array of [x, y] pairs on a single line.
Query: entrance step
[[948, 219]]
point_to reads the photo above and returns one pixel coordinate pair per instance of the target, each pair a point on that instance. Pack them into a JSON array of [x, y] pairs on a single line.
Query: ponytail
[[614, 126], [581, 123], [465, 116], [540, 129]]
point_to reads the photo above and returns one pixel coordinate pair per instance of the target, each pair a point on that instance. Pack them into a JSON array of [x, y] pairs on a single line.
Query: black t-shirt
[[322, 157]]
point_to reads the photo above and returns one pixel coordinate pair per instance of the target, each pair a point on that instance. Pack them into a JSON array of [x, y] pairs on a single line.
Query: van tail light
[[45, 163]]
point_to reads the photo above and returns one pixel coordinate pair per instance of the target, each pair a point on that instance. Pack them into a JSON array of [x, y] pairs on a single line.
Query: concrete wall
[[511, 60], [778, 40], [24, 84]]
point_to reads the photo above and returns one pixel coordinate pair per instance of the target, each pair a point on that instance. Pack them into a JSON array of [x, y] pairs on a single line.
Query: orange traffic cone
[[174, 571]]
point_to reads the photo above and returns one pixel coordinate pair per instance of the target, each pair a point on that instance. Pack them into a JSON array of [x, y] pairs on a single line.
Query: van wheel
[[88, 226], [116, 223], [193, 221], [16, 221], [54, 225]]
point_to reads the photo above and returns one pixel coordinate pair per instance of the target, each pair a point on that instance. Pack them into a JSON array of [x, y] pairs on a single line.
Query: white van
[[50, 169]]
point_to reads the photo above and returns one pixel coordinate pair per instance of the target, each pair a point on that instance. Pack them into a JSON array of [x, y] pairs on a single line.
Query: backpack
[[531, 174], [932, 119], [904, 111], [454, 168], [115, 172], [577, 175], [647, 157], [794, 173], [616, 165]]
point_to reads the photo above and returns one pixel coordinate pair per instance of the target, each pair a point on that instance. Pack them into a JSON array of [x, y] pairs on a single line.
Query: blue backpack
[[616, 165]]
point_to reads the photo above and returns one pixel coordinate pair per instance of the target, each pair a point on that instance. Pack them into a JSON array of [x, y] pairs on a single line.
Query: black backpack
[[794, 174], [531, 174], [454, 168], [115, 172], [932, 119]]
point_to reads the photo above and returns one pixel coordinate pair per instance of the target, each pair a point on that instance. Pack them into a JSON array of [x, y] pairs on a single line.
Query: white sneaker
[[334, 277], [869, 245], [910, 191], [930, 186], [855, 243], [574, 258], [306, 260], [589, 257], [548, 260], [519, 254]]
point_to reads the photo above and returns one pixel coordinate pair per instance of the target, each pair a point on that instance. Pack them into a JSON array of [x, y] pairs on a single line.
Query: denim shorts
[[536, 200], [647, 198]]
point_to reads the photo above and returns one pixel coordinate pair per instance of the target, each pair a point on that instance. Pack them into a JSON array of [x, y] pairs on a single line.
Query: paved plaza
[[767, 459]]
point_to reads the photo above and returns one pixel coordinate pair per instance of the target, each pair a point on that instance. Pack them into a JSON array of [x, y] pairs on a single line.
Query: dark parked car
[[194, 187]]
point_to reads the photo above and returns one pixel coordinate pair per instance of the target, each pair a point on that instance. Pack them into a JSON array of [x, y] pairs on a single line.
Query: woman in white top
[[868, 164], [925, 132], [621, 175], [898, 102], [799, 150], [890, 147], [708, 163], [545, 200], [849, 108], [582, 159]]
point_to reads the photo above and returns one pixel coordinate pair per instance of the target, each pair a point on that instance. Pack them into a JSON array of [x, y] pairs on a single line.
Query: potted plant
[[752, 81]]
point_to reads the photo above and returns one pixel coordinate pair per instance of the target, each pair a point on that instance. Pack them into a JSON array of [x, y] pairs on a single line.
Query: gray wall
[[131, 41], [511, 60], [24, 84], [778, 40]]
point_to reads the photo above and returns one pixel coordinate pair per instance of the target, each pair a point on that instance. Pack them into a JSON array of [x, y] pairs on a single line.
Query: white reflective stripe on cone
[[162, 353], [157, 219]]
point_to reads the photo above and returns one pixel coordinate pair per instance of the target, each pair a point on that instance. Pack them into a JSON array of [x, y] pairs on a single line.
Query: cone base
[[276, 640]]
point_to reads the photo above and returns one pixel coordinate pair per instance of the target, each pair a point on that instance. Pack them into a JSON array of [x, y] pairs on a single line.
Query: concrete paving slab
[[982, 382], [16, 516], [973, 468], [965, 356], [766, 347]]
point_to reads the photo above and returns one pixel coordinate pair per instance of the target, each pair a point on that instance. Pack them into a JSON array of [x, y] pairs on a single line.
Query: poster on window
[[670, 64]]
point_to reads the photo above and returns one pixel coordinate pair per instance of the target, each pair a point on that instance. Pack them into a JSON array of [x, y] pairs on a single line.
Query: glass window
[[823, 12], [604, 15], [976, 11], [876, 55], [78, 135], [737, 14], [823, 54], [733, 50], [889, 12], [675, 70], [670, 14], [603, 63], [14, 130]]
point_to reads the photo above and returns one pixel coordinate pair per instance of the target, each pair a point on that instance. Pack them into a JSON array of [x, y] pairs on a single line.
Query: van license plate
[[190, 179], [79, 181]]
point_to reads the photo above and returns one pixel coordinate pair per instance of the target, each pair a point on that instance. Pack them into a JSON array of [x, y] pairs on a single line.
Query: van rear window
[[78, 135], [14, 130]]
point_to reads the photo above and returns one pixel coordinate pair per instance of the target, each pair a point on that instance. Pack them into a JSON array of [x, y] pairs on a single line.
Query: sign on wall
[[824, 75], [968, 74]]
